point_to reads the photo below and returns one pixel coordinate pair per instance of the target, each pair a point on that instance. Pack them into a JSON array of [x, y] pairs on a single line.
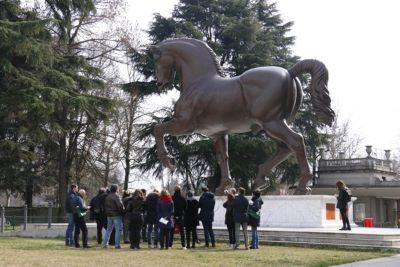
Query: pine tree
[[27, 99], [82, 110]]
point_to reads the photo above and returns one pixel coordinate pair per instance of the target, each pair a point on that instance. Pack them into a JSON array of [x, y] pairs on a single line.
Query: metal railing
[[359, 163], [18, 218]]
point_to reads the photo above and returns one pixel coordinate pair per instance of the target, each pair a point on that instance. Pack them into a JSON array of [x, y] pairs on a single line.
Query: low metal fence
[[18, 218]]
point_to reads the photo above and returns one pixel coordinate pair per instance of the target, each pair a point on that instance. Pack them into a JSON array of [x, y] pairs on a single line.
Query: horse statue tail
[[320, 98]]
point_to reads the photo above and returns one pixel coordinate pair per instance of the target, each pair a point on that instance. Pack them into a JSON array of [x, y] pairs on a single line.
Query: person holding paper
[[165, 211]]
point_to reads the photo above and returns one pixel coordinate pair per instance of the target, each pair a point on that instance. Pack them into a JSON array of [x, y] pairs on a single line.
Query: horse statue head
[[164, 67]]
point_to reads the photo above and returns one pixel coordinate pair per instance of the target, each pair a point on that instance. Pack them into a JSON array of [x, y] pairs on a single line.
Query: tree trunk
[[8, 198], [29, 191], [29, 182], [127, 167], [107, 170], [62, 175]]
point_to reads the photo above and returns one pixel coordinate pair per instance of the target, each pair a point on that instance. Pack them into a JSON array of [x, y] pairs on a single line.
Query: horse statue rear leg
[[221, 152], [280, 130], [265, 169]]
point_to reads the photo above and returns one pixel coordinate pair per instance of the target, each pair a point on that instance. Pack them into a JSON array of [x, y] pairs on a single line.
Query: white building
[[372, 181]]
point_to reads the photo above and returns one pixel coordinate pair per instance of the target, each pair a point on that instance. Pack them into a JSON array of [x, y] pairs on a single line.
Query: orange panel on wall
[[330, 211]]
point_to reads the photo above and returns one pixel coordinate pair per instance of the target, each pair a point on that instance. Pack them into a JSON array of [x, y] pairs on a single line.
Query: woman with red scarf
[[165, 211]]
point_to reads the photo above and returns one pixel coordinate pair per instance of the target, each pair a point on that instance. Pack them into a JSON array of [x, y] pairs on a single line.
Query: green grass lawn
[[16, 251]]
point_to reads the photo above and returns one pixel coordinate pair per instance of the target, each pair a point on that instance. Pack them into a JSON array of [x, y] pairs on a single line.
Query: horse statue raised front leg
[[262, 98]]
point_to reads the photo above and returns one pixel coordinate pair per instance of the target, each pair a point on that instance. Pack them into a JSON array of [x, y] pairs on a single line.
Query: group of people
[[157, 216], [241, 212]]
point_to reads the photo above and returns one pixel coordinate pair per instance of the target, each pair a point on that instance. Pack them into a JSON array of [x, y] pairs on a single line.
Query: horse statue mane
[[260, 99]]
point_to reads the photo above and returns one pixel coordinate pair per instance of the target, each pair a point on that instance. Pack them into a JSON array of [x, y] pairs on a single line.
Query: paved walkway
[[393, 261]]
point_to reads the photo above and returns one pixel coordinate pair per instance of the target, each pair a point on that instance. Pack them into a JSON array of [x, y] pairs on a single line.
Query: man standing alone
[[69, 206], [114, 211]]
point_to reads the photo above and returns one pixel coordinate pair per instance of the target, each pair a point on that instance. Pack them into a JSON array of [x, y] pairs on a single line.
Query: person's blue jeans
[[69, 234], [208, 232], [254, 237], [150, 228], [111, 223]]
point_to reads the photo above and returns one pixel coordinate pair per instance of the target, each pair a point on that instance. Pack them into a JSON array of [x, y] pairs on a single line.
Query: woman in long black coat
[[135, 209], [191, 219], [230, 223], [342, 199]]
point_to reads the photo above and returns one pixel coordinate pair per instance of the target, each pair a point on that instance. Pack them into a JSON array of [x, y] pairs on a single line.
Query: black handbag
[[253, 214]]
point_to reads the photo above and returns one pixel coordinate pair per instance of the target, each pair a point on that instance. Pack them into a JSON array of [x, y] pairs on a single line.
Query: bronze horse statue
[[260, 99]]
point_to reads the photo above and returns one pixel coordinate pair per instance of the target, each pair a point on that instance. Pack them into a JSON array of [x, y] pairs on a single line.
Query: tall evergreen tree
[[27, 98], [79, 50]]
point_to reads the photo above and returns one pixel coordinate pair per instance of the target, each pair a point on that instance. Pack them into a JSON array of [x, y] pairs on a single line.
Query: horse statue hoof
[[262, 187], [224, 185], [302, 191], [261, 184], [168, 161]]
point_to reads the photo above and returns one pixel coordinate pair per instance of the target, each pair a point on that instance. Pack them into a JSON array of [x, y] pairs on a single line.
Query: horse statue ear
[[156, 51]]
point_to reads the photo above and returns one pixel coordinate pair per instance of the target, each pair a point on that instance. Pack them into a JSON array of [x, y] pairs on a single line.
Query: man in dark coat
[[97, 212], [69, 206], [206, 205], [240, 207], [79, 219], [191, 219], [180, 205], [114, 212]]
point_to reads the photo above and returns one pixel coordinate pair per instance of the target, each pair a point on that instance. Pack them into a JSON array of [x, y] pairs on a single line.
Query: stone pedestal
[[310, 211]]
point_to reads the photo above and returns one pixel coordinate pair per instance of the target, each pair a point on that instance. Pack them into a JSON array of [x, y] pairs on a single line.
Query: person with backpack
[[343, 198]]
